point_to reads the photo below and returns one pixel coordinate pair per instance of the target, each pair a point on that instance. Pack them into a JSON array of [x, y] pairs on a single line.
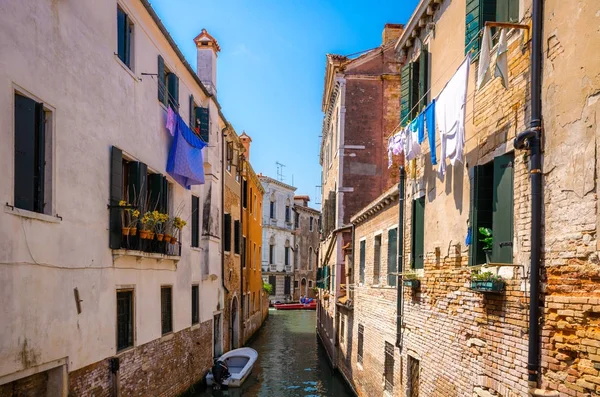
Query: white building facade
[[278, 237], [84, 91]]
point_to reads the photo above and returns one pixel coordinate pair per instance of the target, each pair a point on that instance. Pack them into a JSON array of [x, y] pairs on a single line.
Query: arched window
[[273, 208]]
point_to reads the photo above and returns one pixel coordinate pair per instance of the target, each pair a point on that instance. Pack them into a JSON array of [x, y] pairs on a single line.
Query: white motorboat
[[240, 362]]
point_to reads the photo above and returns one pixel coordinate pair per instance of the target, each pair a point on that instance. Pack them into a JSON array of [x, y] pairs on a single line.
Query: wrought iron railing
[[136, 243]]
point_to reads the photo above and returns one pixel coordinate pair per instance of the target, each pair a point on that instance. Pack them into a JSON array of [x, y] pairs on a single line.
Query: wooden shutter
[[192, 122], [162, 84], [25, 152], [418, 232], [157, 193], [409, 91], [319, 277], [40, 159], [245, 193], [478, 12], [392, 256], [273, 282], [227, 232], [195, 221], [423, 95], [503, 213], [138, 185], [376, 259], [362, 261], [121, 33], [173, 90], [116, 195], [202, 115], [237, 234], [481, 209]]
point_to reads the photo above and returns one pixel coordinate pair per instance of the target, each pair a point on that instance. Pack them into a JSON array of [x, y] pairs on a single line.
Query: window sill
[[195, 326], [167, 337], [9, 209], [127, 68], [126, 350], [197, 249], [141, 255]]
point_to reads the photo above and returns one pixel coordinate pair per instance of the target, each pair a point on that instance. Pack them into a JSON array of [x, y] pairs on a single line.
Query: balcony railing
[[149, 246], [273, 268], [288, 268]]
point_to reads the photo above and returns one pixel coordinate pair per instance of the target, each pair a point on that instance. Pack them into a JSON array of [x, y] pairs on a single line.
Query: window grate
[[166, 306], [359, 350], [124, 319], [389, 367], [195, 304]]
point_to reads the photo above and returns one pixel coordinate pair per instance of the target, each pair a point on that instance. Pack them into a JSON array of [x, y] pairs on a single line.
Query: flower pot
[[133, 231], [173, 240], [160, 237], [150, 235], [412, 283], [167, 238], [143, 234], [125, 231], [488, 285]]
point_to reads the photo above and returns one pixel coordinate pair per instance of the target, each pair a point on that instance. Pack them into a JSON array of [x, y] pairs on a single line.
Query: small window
[[229, 156], [124, 319], [310, 284], [287, 256], [287, 285], [479, 12], [296, 284], [392, 256], [32, 172], [359, 350], [288, 217], [237, 236], [388, 367], [166, 309], [272, 210], [418, 241], [168, 85], [243, 252], [297, 220], [227, 232], [195, 221], [272, 254], [310, 223], [376, 259], [124, 37], [195, 304], [362, 258], [245, 194]]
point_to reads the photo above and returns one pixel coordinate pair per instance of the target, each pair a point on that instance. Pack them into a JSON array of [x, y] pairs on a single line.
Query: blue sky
[[271, 67]]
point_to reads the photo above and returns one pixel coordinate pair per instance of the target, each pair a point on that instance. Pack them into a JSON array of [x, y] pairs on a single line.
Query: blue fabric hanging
[[429, 114], [186, 163]]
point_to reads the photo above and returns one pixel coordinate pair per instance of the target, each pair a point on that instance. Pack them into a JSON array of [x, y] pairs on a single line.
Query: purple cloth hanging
[[185, 163]]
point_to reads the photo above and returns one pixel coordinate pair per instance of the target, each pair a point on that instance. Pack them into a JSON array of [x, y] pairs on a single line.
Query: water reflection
[[291, 363]]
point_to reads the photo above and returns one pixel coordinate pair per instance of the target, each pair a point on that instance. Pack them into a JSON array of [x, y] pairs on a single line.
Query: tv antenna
[[280, 168]]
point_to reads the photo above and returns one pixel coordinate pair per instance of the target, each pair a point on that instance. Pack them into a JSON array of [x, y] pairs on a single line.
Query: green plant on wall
[[487, 239], [268, 288], [485, 276]]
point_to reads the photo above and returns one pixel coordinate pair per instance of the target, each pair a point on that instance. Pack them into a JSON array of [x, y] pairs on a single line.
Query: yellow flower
[[123, 203]]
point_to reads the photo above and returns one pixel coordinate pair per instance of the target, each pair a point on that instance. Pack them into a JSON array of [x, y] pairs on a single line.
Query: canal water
[[291, 363]]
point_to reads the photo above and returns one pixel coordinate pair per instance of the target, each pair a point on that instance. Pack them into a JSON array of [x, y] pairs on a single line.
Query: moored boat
[[297, 306], [239, 363]]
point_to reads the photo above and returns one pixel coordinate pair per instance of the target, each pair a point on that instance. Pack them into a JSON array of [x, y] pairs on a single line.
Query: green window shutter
[[192, 122], [423, 78], [116, 195], [405, 93], [195, 221], [138, 184], [481, 178], [121, 33], [503, 216], [392, 256], [162, 84], [173, 90], [40, 159], [362, 256], [237, 236], [478, 12], [202, 116], [418, 240], [157, 193], [26, 154], [227, 232]]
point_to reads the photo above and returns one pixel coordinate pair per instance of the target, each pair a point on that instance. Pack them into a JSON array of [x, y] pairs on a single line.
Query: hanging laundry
[[429, 114], [501, 69], [185, 163], [483, 73], [421, 127], [412, 148], [450, 116], [171, 120], [395, 146]]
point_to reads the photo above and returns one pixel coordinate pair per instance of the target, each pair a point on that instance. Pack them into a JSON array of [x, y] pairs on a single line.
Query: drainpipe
[[223, 210], [530, 140], [399, 286]]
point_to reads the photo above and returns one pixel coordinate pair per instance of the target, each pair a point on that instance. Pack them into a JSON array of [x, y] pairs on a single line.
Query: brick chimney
[[391, 32], [207, 49], [245, 138]]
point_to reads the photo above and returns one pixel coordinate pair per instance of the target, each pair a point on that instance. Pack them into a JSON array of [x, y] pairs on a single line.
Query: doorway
[[303, 287]]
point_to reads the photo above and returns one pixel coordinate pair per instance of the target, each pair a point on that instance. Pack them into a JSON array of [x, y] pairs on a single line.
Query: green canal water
[[291, 363]]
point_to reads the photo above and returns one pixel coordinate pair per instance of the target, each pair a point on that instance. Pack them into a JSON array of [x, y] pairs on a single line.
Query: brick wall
[[30, 386], [163, 367]]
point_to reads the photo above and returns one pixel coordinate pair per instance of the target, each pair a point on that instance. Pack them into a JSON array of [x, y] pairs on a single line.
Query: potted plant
[[134, 216], [410, 280], [487, 282], [125, 221], [268, 288], [147, 226], [487, 242], [179, 224], [160, 221]]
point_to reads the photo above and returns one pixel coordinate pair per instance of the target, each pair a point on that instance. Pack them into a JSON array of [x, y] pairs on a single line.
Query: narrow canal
[[291, 363]]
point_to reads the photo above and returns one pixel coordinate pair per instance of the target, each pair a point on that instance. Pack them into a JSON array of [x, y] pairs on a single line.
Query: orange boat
[[297, 306]]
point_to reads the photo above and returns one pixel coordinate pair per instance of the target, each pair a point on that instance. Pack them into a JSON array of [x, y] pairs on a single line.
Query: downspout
[[399, 286], [530, 140], [223, 134]]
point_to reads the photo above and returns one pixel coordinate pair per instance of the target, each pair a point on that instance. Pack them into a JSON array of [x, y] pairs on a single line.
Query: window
[[237, 236], [166, 309], [310, 255], [168, 85], [32, 154], [229, 156], [418, 218], [195, 221], [310, 284], [244, 193], [413, 377], [272, 210], [388, 367], [238, 169], [287, 256], [492, 207], [392, 256], [296, 284], [271, 253], [124, 319], [124, 37], [243, 252], [195, 304], [287, 285], [359, 350], [273, 282], [414, 93], [481, 11], [288, 217], [227, 232], [310, 223], [376, 259], [362, 261], [297, 220], [199, 120], [254, 258]]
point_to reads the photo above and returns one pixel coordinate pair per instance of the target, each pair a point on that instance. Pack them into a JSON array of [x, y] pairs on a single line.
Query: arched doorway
[[304, 287], [234, 326]]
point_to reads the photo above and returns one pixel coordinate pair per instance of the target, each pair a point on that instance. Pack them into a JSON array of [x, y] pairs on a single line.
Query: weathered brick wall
[[163, 367], [31, 386]]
